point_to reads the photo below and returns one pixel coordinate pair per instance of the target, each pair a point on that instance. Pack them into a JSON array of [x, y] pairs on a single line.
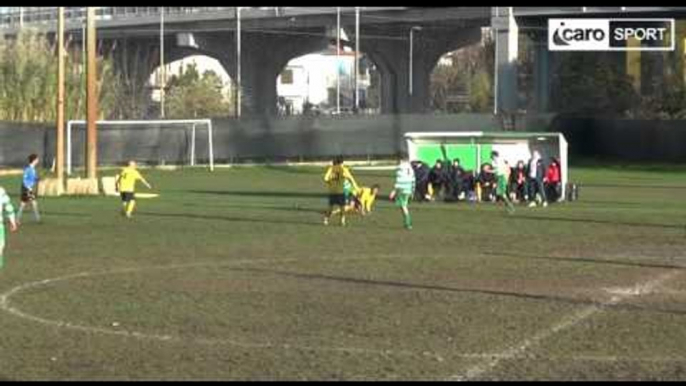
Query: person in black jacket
[[438, 178], [457, 177], [487, 183], [421, 174], [518, 182]]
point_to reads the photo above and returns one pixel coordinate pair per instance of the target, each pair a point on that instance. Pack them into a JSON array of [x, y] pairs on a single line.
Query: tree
[[466, 84], [28, 81], [587, 84], [191, 95]]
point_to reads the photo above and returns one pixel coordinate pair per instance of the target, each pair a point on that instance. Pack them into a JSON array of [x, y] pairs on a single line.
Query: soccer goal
[[156, 142], [474, 148]]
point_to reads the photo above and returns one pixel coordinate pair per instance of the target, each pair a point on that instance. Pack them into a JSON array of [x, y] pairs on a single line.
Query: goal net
[[152, 142], [474, 148]]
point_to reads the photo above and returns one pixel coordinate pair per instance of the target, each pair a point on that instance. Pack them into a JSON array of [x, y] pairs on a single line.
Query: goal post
[[474, 148], [152, 141]]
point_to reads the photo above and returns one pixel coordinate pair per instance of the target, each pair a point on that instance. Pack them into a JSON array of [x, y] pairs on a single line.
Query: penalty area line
[[570, 321]]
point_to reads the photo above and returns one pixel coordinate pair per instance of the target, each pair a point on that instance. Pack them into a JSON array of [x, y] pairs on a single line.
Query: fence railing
[[17, 16]]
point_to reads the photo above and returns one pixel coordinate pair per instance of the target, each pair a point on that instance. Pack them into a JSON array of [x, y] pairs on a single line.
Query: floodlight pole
[[238, 63], [91, 98], [163, 74], [60, 97], [357, 59], [338, 60], [414, 28]]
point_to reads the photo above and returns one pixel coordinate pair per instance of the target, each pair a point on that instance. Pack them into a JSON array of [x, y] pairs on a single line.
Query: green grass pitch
[[231, 275]]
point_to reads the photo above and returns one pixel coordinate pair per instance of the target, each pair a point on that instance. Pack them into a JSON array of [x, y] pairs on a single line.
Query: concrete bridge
[[272, 36]]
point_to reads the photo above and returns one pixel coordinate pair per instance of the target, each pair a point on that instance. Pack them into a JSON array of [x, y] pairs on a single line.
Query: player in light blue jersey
[[5, 208], [403, 190], [29, 188]]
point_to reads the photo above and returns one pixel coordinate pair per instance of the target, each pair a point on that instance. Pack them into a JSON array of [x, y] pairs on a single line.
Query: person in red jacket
[[553, 181]]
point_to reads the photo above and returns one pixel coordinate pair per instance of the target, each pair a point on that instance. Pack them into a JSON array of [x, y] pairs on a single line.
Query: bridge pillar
[[542, 62], [506, 45], [263, 56], [390, 51], [652, 75]]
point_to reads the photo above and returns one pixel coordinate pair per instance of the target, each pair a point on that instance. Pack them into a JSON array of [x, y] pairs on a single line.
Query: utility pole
[[60, 97], [91, 98]]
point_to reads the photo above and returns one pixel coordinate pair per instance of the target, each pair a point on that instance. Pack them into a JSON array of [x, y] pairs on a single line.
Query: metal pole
[[357, 58], [92, 98], [238, 61], [495, 66], [209, 125], [338, 60], [193, 145], [163, 73], [60, 97], [410, 71], [68, 148]]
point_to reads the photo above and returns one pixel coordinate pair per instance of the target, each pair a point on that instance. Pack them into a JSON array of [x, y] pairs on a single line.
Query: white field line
[[570, 321], [5, 306]]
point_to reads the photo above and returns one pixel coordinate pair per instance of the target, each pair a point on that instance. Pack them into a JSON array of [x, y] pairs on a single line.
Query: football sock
[[407, 219], [130, 206], [36, 214]]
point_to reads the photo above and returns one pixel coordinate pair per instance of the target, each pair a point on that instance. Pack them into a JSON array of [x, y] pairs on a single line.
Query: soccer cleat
[[545, 203], [532, 204], [326, 221]]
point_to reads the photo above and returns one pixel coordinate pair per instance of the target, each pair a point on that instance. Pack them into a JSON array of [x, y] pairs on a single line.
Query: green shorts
[[402, 199], [501, 188]]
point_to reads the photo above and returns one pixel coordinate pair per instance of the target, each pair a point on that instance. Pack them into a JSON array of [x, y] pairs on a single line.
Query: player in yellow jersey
[[362, 201], [335, 178], [126, 185]]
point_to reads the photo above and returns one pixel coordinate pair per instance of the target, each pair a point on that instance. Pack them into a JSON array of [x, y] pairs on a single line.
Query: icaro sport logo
[[610, 34], [563, 35]]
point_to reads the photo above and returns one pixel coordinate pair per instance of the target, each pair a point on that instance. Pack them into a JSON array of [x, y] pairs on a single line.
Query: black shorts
[[337, 199], [127, 196], [27, 195]]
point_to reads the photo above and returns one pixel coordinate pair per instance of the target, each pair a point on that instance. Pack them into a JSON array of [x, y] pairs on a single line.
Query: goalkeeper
[[125, 183], [402, 191], [5, 207]]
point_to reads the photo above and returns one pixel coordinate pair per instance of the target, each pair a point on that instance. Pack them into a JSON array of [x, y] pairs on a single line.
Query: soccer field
[[231, 275]]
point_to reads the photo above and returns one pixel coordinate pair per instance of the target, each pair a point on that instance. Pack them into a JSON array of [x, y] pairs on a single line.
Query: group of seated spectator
[[530, 182]]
